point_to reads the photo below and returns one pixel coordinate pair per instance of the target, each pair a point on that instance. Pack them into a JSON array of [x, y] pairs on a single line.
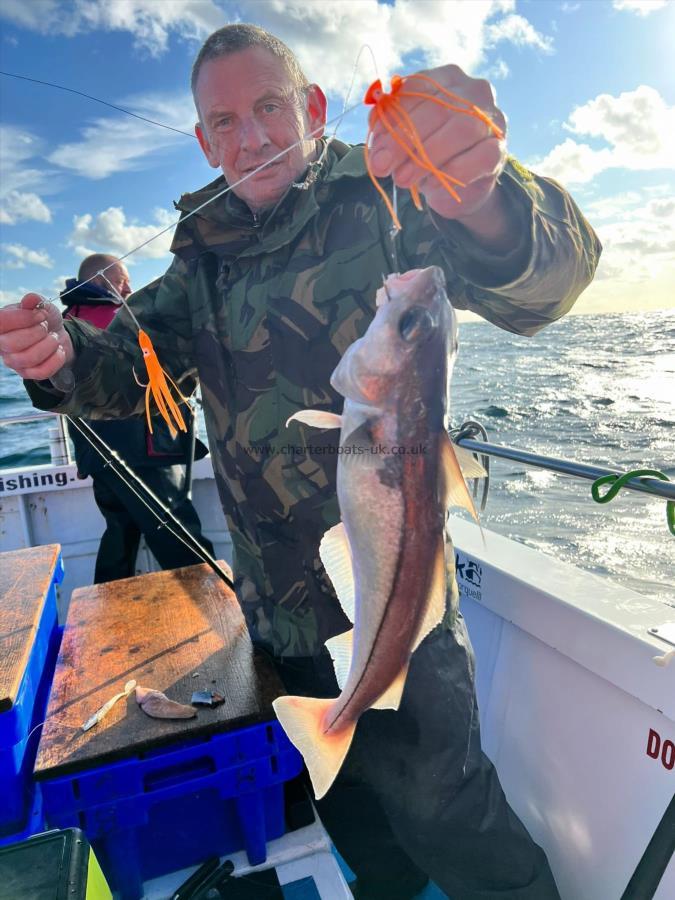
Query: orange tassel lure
[[390, 112], [160, 386]]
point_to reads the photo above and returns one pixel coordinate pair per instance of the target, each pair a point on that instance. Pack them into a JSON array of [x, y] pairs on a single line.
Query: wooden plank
[[177, 631], [25, 579]]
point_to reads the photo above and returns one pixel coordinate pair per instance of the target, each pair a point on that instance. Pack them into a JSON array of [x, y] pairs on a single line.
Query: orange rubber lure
[[160, 386], [390, 112]]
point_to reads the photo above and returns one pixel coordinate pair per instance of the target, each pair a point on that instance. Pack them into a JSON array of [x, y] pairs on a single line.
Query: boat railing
[[59, 447]]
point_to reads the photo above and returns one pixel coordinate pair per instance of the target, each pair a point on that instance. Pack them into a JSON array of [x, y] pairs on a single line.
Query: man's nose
[[252, 136]]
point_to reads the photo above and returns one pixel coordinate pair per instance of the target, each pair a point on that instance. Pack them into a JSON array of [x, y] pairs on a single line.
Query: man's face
[[118, 277], [250, 110]]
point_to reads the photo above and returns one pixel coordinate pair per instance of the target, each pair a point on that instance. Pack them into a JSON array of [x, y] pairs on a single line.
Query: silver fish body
[[397, 474]]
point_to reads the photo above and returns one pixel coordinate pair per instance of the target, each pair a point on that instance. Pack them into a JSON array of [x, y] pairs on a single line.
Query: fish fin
[[341, 649], [468, 463], [435, 610], [336, 556], [454, 489], [391, 699], [316, 418], [302, 718]]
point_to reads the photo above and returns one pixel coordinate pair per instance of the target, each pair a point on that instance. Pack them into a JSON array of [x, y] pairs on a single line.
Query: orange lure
[[160, 385], [389, 111]]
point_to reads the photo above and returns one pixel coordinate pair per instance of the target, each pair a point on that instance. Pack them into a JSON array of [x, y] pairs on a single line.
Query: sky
[[588, 87]]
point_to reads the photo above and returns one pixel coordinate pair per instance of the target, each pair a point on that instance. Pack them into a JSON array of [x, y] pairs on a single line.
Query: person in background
[[157, 458]]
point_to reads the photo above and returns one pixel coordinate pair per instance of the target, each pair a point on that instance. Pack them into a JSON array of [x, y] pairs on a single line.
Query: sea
[[595, 389]]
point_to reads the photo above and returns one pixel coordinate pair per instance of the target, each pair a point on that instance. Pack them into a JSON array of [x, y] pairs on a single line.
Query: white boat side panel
[[67, 514], [571, 752], [601, 625]]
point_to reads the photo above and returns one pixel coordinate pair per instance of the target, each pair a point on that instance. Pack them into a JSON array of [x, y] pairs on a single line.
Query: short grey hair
[[233, 38]]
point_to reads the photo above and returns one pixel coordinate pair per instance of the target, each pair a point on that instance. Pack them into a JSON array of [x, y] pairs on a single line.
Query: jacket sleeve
[[108, 362], [532, 286]]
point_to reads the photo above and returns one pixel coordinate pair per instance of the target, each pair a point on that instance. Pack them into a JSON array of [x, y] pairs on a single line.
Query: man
[[157, 458], [269, 286]]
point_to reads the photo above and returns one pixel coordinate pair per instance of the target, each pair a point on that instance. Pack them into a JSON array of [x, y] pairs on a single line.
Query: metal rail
[[645, 485]]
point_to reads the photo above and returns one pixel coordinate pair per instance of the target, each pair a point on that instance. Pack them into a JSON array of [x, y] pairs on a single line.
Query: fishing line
[[225, 190], [127, 112], [351, 84]]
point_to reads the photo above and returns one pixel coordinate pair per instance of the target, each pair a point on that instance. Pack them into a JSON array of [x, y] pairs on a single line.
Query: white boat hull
[[572, 703]]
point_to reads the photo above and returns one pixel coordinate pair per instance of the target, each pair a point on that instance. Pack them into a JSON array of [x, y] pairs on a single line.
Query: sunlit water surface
[[596, 389]]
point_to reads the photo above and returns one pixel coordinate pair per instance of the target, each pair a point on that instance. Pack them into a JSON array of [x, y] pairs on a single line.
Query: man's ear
[[316, 107], [206, 146]]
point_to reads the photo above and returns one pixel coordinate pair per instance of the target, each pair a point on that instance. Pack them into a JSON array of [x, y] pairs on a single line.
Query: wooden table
[[177, 631], [25, 579]]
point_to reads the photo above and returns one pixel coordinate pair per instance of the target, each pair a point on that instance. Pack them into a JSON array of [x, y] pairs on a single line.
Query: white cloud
[[18, 206], [517, 30], [149, 21], [636, 125], [114, 144], [435, 32], [110, 232], [23, 256], [17, 148], [497, 71], [637, 266], [642, 7]]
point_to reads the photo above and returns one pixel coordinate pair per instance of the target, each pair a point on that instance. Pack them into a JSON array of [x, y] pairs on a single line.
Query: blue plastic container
[[19, 725], [171, 808]]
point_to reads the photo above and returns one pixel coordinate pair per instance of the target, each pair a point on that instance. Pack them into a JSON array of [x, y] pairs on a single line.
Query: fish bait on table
[[159, 706], [398, 472]]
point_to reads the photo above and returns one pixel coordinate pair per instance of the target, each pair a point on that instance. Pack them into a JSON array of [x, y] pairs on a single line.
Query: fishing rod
[[158, 508]]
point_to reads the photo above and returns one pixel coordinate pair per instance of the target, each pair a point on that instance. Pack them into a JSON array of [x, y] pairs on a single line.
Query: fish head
[[409, 346]]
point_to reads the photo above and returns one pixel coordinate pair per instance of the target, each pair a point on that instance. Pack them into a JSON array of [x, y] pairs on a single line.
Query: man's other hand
[[33, 340]]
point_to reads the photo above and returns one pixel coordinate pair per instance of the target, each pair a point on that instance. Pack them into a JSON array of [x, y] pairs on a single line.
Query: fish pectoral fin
[[316, 418], [470, 466], [341, 649], [303, 720], [391, 699], [336, 556], [435, 610], [454, 491]]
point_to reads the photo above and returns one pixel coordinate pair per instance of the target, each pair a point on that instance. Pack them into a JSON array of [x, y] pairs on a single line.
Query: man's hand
[[458, 144], [33, 340]]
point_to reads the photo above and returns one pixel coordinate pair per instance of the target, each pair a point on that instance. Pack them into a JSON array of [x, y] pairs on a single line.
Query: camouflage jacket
[[260, 310]]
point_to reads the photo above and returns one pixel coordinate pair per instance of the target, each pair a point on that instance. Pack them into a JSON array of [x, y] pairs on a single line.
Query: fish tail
[[303, 719]]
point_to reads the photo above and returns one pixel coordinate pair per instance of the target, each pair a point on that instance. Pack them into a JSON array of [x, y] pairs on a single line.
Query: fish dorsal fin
[[316, 418], [468, 463], [454, 491], [341, 649], [336, 557], [435, 610]]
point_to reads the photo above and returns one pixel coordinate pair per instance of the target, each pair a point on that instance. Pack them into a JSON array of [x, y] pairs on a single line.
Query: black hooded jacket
[[131, 438]]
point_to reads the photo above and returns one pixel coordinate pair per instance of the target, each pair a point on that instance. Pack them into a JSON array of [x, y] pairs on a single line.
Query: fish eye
[[415, 324]]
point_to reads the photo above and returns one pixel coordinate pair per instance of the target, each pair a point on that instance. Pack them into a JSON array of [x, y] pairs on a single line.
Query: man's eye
[[270, 107], [224, 122]]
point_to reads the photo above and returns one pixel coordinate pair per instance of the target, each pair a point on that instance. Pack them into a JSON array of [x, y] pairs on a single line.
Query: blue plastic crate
[[19, 726], [173, 807]]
